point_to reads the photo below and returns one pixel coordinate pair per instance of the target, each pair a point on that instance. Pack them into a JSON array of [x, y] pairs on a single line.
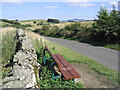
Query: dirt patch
[[90, 78]]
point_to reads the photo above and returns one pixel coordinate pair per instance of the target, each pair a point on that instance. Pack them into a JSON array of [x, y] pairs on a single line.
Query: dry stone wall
[[22, 73]]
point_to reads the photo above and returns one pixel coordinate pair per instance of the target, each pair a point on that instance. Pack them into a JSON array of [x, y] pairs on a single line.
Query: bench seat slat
[[68, 66], [61, 67]]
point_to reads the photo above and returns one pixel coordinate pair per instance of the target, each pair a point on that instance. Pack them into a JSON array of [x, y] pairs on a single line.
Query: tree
[[106, 26], [53, 20], [16, 20], [34, 22]]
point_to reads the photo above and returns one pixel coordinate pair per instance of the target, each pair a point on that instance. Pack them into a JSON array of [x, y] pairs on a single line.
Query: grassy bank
[[7, 47], [8, 44]]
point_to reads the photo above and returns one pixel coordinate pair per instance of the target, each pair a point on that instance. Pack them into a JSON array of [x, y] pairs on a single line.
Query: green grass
[[113, 46], [46, 81], [39, 49], [7, 49], [72, 56], [8, 46]]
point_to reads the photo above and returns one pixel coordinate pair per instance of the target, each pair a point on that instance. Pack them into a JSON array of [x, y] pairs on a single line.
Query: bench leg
[[73, 79], [54, 77], [44, 58]]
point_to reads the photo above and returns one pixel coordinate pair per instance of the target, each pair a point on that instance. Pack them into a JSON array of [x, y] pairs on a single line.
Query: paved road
[[102, 55]]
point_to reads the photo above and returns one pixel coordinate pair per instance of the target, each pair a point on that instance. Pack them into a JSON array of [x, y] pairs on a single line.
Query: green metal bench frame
[[52, 65]]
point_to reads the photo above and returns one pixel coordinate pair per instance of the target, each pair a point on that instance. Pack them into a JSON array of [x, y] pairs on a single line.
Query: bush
[[6, 25], [26, 25], [42, 23], [34, 22]]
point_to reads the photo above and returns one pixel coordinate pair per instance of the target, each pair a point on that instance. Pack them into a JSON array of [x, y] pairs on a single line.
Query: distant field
[[34, 25], [85, 23], [32, 20], [44, 22], [60, 25], [3, 23]]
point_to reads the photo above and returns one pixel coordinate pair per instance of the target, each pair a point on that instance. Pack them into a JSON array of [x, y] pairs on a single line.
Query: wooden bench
[[64, 67]]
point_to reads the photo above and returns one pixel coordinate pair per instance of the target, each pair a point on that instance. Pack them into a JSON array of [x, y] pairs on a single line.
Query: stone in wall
[[22, 72]]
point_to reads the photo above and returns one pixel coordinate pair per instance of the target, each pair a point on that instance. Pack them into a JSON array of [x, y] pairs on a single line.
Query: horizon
[[55, 10]]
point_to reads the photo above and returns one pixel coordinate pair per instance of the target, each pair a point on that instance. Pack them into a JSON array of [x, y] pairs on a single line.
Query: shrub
[[26, 25], [34, 22]]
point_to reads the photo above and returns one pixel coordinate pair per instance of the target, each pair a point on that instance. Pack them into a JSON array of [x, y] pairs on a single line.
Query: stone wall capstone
[[22, 73]]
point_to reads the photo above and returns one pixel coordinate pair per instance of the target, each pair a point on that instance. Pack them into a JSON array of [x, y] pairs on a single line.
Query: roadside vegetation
[[104, 32]]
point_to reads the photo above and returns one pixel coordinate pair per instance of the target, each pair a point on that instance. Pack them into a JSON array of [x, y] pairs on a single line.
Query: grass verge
[[72, 56]]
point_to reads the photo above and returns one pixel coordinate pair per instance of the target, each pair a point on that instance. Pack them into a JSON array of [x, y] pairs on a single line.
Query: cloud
[[113, 3], [76, 0], [110, 4], [13, 1], [82, 4], [102, 5], [51, 7]]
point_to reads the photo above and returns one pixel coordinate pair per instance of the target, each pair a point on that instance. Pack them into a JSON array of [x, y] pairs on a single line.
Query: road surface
[[105, 56]]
